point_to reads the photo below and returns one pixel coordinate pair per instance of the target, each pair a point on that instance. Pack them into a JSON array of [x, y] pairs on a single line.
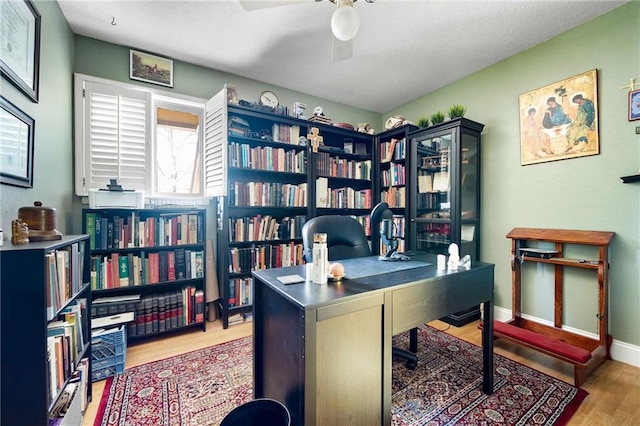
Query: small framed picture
[[150, 68], [634, 105], [16, 145]]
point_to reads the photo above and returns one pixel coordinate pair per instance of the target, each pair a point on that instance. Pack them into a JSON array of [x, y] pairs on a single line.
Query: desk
[[325, 350]]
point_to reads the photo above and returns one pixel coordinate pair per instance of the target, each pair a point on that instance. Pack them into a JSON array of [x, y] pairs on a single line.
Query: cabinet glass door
[[469, 194], [434, 170]]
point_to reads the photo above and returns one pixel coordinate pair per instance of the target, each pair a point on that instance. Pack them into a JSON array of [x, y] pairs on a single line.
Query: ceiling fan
[[344, 22]]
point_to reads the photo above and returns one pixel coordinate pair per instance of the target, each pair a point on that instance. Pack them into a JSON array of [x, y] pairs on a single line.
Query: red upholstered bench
[[544, 343]]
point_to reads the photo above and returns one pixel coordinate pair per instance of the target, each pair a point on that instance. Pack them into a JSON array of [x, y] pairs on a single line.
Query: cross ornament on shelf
[[315, 138]]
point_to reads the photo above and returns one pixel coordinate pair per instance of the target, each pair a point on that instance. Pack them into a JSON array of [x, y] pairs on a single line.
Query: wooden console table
[[585, 353]]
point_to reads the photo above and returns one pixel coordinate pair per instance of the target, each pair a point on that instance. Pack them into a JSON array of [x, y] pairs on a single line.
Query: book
[[154, 265], [322, 189], [163, 266], [90, 228], [180, 265], [199, 306], [193, 229], [123, 271], [441, 181]]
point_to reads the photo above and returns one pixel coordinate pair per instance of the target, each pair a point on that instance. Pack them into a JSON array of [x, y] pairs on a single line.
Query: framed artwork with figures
[[560, 121], [634, 105]]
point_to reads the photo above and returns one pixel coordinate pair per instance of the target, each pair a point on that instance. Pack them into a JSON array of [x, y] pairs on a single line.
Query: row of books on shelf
[[113, 231], [65, 269], [159, 312], [287, 133], [327, 165], [243, 260], [112, 305], [260, 228], [67, 338], [128, 269], [341, 198], [394, 196], [365, 221], [393, 150], [430, 200], [266, 158], [395, 175], [240, 292], [238, 126], [267, 194]]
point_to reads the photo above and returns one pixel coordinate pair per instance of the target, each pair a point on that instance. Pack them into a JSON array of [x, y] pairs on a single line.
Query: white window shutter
[[116, 129], [215, 145]]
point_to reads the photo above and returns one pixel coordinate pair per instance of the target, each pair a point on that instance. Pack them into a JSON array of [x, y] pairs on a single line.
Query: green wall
[[581, 193], [53, 156], [101, 59]]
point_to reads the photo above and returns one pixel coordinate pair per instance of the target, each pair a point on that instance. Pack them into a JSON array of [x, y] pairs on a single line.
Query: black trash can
[[261, 411]]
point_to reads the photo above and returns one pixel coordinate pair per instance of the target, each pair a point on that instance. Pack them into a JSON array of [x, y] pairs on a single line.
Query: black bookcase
[[158, 254], [394, 177], [444, 205], [42, 282], [274, 179]]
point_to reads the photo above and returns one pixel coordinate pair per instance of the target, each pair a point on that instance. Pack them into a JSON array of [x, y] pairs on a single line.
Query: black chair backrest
[[345, 237]]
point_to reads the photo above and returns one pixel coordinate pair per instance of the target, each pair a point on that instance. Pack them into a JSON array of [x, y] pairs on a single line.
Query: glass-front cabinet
[[445, 205]]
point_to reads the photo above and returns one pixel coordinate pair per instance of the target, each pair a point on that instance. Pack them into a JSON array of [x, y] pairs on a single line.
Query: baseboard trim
[[620, 351]]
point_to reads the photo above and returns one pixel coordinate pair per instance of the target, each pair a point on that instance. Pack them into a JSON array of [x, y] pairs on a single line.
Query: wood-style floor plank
[[614, 388]]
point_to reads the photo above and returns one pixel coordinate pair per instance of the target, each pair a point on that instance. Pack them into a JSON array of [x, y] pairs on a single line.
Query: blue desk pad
[[367, 266]]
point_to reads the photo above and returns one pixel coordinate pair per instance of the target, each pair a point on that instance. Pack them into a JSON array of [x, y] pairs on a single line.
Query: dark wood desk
[[324, 350]]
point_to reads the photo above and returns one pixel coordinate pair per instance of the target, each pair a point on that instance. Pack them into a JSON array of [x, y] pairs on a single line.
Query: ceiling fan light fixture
[[345, 21]]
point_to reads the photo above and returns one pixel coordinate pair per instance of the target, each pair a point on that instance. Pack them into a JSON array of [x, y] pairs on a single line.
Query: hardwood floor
[[614, 388]]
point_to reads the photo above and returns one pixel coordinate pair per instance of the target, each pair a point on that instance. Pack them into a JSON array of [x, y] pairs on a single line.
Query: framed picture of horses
[[150, 68], [560, 121]]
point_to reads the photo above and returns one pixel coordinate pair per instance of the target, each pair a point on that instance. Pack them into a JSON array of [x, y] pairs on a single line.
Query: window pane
[[177, 152]]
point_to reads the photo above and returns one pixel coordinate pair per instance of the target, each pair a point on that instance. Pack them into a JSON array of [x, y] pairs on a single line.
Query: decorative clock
[[269, 98]]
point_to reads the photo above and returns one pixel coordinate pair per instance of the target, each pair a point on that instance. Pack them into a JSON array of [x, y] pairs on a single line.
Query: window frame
[[156, 98]]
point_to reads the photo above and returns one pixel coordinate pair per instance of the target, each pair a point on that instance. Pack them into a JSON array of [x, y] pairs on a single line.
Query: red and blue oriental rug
[[201, 387]]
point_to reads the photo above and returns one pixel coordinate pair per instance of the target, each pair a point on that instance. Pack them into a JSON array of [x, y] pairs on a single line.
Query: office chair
[[346, 240]]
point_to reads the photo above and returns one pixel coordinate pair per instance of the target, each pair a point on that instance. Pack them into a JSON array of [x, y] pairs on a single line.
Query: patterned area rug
[[200, 387]]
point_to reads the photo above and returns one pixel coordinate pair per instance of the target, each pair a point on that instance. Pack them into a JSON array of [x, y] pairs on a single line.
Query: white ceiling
[[403, 50]]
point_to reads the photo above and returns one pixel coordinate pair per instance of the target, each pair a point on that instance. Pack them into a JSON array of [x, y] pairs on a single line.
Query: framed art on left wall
[[20, 24], [16, 145]]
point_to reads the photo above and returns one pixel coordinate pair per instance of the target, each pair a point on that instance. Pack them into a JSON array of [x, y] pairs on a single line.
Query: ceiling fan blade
[[266, 4], [341, 49]]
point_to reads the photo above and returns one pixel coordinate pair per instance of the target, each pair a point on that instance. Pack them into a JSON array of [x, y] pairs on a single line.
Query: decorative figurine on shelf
[[318, 111], [365, 128], [298, 110], [19, 232], [454, 257]]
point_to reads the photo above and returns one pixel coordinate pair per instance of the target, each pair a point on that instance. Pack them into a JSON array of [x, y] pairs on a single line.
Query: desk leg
[[487, 349], [413, 340]]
